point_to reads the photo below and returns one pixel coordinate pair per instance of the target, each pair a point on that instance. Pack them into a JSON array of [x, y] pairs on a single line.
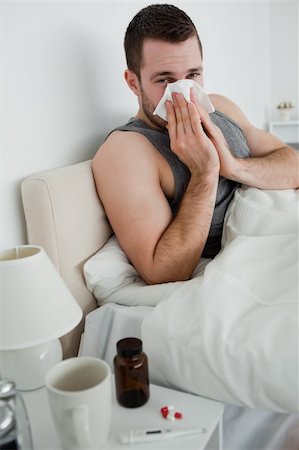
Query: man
[[165, 186]]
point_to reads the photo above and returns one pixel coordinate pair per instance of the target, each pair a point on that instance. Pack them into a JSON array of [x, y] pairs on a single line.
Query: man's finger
[[178, 115], [195, 119], [185, 112], [171, 120]]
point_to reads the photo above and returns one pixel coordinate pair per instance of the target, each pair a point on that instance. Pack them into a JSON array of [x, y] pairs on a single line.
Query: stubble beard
[[148, 108]]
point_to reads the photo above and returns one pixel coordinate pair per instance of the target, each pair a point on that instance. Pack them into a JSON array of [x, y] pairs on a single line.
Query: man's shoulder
[[223, 104], [120, 140], [124, 146], [230, 109]]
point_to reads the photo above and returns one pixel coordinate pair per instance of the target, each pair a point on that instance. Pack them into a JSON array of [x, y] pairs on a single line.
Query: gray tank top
[[236, 141]]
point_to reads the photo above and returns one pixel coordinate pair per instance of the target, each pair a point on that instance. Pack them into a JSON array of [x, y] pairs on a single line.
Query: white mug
[[79, 392]]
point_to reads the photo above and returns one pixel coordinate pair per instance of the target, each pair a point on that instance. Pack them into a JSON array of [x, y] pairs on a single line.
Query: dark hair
[[164, 22]]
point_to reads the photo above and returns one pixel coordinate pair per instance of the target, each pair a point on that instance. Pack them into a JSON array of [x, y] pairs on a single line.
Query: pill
[[171, 416], [164, 411], [169, 413]]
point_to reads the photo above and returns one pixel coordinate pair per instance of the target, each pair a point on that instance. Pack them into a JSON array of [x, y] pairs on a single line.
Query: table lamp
[[36, 308]]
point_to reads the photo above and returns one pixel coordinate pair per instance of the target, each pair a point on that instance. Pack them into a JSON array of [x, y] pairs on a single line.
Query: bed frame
[[64, 216]]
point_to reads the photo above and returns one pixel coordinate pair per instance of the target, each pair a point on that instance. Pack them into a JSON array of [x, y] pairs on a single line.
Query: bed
[[64, 215]]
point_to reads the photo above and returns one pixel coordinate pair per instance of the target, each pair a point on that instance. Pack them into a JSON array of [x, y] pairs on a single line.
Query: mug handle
[[78, 425]]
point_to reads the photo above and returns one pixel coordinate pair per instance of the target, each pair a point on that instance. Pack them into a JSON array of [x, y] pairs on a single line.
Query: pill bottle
[[131, 373]]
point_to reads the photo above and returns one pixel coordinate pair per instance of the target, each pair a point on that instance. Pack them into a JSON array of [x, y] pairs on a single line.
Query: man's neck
[[141, 116]]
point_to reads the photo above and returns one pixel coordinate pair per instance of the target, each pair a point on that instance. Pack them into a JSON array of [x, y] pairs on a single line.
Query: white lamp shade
[[35, 304]]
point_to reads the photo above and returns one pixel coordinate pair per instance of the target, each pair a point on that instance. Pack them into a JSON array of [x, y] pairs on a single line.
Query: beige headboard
[[64, 216]]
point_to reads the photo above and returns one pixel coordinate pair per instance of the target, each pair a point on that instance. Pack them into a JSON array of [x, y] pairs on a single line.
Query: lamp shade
[[35, 304]]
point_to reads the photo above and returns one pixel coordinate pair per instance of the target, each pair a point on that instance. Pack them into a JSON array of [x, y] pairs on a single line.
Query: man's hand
[[227, 160], [272, 163], [188, 139]]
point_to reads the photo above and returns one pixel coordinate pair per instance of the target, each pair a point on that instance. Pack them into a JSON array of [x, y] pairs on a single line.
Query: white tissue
[[183, 86]]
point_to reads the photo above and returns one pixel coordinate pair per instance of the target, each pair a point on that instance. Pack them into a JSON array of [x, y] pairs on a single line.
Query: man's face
[[164, 63]]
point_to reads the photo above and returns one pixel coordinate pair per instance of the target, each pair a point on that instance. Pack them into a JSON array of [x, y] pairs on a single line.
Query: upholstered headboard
[[64, 216]]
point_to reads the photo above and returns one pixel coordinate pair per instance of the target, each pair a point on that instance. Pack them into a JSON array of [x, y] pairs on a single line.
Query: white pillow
[[112, 278]]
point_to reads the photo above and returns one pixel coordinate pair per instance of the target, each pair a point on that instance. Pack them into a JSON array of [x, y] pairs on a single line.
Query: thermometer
[[134, 436]]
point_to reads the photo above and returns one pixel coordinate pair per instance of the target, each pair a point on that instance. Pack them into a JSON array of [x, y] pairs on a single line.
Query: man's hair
[[162, 22]]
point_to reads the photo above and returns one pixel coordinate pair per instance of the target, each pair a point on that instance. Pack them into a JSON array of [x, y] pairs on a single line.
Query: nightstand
[[287, 131], [197, 412]]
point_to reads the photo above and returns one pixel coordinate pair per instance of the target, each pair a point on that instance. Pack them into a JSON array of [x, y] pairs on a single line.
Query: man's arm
[[273, 164], [127, 172]]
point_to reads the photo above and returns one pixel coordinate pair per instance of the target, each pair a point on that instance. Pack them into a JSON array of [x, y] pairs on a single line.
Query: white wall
[[63, 87], [284, 21]]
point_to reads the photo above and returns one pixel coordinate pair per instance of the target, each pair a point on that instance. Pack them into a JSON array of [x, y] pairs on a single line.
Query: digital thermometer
[[134, 436]]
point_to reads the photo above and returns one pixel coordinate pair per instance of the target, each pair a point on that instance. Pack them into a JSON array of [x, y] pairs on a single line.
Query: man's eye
[[194, 75], [163, 81]]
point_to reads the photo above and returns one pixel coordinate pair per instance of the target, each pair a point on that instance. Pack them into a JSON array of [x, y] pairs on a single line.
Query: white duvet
[[230, 333]]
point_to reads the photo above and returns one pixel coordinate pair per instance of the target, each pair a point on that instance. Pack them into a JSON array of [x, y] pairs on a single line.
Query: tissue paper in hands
[[183, 86]]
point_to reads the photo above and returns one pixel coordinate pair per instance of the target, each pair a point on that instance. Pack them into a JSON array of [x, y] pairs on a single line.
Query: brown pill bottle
[[131, 373]]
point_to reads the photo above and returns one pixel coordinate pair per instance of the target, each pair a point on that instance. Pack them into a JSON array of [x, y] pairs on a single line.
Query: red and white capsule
[[169, 413]]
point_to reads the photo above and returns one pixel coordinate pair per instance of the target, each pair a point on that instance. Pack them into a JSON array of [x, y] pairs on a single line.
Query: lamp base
[[28, 367]]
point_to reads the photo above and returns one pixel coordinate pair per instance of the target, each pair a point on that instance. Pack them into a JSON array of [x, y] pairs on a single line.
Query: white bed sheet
[[230, 332], [244, 428], [106, 325]]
